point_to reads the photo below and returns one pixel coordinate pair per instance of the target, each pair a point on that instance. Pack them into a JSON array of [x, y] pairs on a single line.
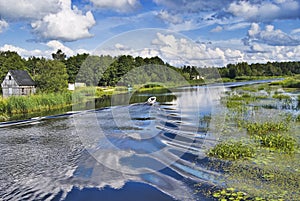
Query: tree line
[[53, 75]]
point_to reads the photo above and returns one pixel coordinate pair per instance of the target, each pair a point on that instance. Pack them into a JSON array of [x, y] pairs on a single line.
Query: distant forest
[[63, 69]]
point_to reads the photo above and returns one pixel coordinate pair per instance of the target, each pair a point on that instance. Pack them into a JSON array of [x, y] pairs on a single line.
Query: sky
[[182, 32]]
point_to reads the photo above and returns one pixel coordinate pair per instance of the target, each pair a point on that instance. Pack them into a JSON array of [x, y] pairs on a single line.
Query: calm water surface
[[130, 152]]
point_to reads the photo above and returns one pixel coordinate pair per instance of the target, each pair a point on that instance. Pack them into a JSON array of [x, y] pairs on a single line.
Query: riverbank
[[15, 108]]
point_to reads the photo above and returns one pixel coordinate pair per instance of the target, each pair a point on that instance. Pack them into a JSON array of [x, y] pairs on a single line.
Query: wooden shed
[[17, 83]]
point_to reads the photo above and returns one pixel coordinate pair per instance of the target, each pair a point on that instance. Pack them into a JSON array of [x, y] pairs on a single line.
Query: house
[[197, 77], [72, 86], [17, 83]]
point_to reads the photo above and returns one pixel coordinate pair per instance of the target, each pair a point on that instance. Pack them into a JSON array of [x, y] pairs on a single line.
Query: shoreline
[[105, 94]]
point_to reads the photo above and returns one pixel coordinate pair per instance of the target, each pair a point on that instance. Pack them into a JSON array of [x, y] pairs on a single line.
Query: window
[[9, 77], [23, 91]]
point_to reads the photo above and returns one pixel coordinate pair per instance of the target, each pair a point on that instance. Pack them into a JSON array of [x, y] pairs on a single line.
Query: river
[[123, 152]]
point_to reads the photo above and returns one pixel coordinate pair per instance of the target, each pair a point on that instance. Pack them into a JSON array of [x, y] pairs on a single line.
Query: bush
[[232, 151]]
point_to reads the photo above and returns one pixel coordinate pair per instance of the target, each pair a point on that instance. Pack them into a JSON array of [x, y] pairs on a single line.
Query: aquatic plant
[[281, 97], [276, 180], [257, 128], [280, 142], [249, 88], [229, 194], [291, 82], [232, 151], [272, 172]]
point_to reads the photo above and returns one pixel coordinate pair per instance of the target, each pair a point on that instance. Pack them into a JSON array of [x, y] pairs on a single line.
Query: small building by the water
[[197, 77], [17, 83]]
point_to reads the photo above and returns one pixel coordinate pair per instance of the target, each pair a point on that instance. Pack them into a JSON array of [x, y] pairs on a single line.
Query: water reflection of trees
[[162, 95]]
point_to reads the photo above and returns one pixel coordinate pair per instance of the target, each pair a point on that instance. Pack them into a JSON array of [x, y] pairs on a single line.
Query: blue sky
[[219, 31]]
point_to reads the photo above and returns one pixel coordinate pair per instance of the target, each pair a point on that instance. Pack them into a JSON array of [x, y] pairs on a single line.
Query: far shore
[[22, 107]]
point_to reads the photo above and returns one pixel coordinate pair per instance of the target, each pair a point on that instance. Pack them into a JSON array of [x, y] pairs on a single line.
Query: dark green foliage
[[52, 76], [73, 65], [59, 55], [231, 150], [268, 69], [10, 61], [93, 69]]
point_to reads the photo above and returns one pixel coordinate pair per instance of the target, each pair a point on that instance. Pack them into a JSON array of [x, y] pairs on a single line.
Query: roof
[[22, 77]]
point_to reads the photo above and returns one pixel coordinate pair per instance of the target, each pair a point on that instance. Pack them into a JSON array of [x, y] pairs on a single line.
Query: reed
[[39, 102]]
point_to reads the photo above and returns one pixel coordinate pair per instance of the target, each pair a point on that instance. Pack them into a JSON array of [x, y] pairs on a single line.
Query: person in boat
[[151, 100]]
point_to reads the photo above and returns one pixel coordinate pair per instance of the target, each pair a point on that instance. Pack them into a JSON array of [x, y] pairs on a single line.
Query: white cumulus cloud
[[49, 19], [21, 51], [50, 47], [117, 5], [265, 11], [69, 24], [3, 25], [27, 9], [270, 36], [180, 51], [169, 17], [55, 45], [217, 29]]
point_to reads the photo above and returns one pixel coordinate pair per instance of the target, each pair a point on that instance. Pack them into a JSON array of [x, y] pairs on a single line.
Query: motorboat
[[151, 100]]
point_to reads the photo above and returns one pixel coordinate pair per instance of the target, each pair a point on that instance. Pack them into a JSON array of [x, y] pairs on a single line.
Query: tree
[[10, 61], [31, 64], [52, 76], [232, 72], [94, 70], [59, 55], [73, 65]]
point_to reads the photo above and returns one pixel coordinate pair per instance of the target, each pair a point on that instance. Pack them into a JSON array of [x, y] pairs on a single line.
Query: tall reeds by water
[[34, 103]]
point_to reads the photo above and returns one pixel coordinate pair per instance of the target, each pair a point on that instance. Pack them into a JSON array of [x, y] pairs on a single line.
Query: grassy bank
[[16, 106], [28, 104], [289, 82]]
